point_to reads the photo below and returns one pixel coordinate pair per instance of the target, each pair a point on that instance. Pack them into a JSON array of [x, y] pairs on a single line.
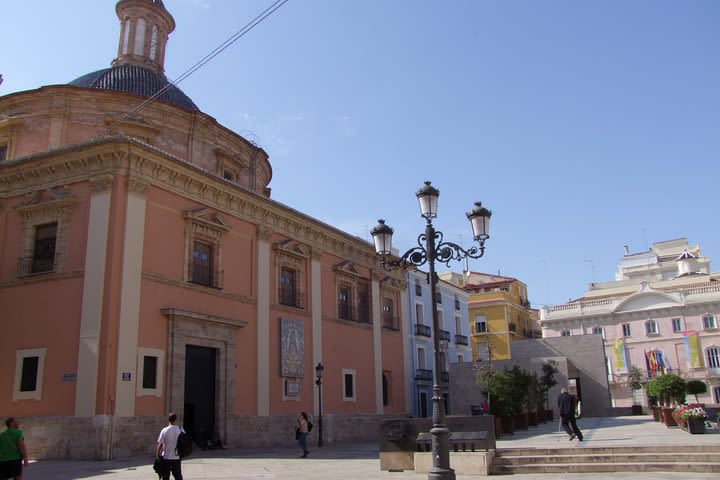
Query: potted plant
[[693, 387], [669, 387], [547, 381], [694, 418], [532, 399], [519, 387], [635, 382], [500, 389], [651, 389]]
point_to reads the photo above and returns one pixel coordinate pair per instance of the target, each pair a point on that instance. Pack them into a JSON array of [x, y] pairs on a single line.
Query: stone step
[[695, 467], [618, 458], [674, 449]]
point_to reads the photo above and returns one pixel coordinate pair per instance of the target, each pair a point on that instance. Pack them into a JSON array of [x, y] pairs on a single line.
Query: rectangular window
[[418, 288], [3, 151], [348, 385], [149, 380], [480, 324], [676, 325], [716, 394], [287, 287], [651, 327], [28, 378], [202, 266], [363, 302], [461, 359], [43, 259], [438, 296], [29, 366], [150, 365], [458, 325], [626, 329], [419, 314], [457, 303], [389, 313], [344, 303]]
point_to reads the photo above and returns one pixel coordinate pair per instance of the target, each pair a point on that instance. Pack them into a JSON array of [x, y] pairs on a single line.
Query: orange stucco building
[[144, 269]]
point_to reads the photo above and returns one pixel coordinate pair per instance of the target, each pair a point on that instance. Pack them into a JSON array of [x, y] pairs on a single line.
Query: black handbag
[[297, 433]]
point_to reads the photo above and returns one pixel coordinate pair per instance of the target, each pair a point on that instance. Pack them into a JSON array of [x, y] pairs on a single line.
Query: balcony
[[352, 313], [712, 372], [461, 340], [444, 335], [390, 322], [34, 265], [202, 275], [424, 375], [512, 327], [291, 296], [422, 330]]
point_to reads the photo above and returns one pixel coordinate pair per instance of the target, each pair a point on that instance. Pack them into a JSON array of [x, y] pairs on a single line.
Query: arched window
[[713, 357], [651, 327], [598, 330], [709, 321], [565, 333]]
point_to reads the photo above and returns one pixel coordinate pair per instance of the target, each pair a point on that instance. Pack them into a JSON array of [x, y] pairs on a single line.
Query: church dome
[[138, 80]]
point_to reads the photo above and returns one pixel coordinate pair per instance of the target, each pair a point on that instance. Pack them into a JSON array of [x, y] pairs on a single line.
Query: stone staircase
[[665, 458]]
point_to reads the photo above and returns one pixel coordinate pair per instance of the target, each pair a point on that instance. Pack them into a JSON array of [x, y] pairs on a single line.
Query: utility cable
[[199, 64]]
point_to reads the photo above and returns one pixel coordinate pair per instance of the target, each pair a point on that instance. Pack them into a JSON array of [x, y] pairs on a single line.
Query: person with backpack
[[167, 444], [301, 431]]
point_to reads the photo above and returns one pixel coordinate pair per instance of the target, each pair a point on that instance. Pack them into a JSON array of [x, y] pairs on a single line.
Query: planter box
[[532, 419], [521, 421], [508, 425], [549, 415], [656, 414], [696, 425], [637, 410], [668, 418]]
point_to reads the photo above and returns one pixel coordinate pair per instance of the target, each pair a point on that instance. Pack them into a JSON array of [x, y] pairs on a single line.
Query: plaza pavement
[[360, 460]]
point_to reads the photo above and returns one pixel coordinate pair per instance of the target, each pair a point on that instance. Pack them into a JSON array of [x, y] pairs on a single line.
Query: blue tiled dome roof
[[138, 80]]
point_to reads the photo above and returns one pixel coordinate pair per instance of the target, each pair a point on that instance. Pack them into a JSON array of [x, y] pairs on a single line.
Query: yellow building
[[499, 312]]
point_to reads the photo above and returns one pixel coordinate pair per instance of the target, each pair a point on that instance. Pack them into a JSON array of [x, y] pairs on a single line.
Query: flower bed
[[684, 414]]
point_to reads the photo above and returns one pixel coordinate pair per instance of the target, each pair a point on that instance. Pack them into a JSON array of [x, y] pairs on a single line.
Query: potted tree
[[635, 382], [547, 381], [532, 400], [693, 387], [669, 388], [500, 390], [519, 387]]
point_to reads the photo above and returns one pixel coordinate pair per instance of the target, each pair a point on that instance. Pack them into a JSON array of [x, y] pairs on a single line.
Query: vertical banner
[[692, 351], [619, 354]]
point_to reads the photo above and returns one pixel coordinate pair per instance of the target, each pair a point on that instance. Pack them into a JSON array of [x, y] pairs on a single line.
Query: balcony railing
[[353, 313], [427, 375], [461, 340], [200, 274], [390, 322], [35, 265], [444, 335], [291, 297], [422, 330]]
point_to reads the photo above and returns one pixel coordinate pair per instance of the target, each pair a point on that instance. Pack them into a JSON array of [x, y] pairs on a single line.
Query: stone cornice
[[198, 288], [113, 155]]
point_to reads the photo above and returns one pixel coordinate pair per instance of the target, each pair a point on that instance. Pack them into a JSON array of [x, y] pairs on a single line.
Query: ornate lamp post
[[319, 374], [432, 248]]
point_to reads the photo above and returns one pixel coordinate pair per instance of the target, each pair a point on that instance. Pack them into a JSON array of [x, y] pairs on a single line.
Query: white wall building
[[660, 314]]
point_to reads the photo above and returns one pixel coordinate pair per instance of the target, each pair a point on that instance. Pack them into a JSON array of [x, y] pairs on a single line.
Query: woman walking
[[302, 428]]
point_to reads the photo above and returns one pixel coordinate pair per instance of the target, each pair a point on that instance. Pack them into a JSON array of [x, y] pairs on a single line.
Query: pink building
[[144, 269], [659, 315]]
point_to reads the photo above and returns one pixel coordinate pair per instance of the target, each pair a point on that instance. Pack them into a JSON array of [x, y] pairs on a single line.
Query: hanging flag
[[618, 354], [647, 364], [660, 361], [653, 361], [692, 355]]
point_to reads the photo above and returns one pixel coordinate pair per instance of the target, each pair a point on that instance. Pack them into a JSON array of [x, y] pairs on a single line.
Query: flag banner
[[692, 351], [619, 354]]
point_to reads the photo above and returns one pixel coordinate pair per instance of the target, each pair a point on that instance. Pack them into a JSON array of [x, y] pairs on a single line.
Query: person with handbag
[[301, 433]]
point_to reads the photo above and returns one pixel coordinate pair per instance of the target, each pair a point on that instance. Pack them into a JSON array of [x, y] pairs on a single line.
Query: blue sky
[[584, 126]]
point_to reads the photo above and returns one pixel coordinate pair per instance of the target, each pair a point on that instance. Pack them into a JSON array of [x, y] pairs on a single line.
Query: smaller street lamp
[[319, 374]]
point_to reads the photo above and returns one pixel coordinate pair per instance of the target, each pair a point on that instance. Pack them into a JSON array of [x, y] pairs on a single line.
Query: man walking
[[13, 455], [566, 403], [166, 450]]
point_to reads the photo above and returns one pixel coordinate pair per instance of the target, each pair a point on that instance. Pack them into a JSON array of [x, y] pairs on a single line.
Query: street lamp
[[319, 374], [431, 248]]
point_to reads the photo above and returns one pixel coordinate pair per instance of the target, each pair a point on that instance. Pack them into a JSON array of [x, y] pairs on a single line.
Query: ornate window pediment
[[203, 246], [291, 260], [43, 211]]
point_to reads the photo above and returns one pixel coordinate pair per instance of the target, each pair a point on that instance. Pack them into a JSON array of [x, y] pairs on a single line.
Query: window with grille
[[709, 321], [480, 324], [43, 259], [713, 357], [202, 263], [598, 331], [344, 303], [288, 291]]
